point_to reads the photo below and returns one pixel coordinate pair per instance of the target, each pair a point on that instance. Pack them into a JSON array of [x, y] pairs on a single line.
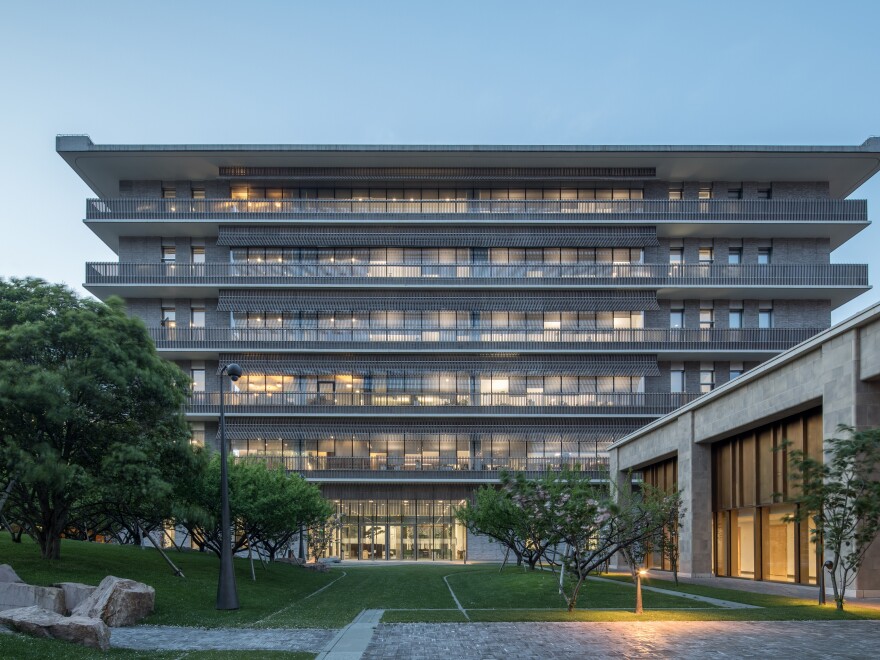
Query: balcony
[[203, 342], [646, 211], [437, 404], [837, 219], [401, 469], [843, 281]]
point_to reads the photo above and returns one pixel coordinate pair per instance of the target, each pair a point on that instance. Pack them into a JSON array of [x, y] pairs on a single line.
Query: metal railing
[[601, 275], [400, 467], [432, 403], [650, 210], [600, 339]]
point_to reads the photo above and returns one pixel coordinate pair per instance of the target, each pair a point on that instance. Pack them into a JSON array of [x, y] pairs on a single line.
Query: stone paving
[[679, 639], [149, 638]]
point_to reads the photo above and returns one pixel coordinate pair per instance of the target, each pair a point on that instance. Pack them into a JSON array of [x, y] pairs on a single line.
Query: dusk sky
[[418, 73]]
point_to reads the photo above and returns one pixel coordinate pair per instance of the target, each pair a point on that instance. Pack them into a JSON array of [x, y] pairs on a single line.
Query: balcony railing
[[407, 468], [579, 275], [433, 403], [651, 210], [599, 339]]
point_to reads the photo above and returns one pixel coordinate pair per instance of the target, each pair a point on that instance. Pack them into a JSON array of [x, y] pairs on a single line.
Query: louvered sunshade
[[409, 300], [437, 237], [529, 365]]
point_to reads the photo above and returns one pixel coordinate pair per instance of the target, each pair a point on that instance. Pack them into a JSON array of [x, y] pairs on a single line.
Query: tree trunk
[[49, 537], [572, 602]]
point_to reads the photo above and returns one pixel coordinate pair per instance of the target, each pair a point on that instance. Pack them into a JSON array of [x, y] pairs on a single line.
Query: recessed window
[[197, 317], [734, 256], [705, 192], [169, 317], [736, 319], [735, 373], [169, 192], [198, 193], [676, 380], [765, 193], [676, 318], [707, 380], [764, 255], [707, 319], [676, 193], [734, 193], [169, 255], [198, 379], [676, 255], [706, 255], [198, 255], [765, 318]]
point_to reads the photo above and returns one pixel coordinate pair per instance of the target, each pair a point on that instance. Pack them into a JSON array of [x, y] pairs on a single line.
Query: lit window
[[707, 319], [169, 317], [198, 193], [169, 255], [198, 255], [706, 255], [707, 380], [705, 192], [197, 319], [676, 194], [198, 380], [169, 193]]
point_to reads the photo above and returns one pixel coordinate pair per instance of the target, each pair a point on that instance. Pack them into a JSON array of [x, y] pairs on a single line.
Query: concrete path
[[351, 642], [151, 638], [695, 640], [717, 602]]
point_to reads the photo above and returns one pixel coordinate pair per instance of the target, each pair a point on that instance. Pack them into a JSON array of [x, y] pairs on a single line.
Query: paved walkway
[[150, 638], [351, 642], [718, 602], [679, 639]]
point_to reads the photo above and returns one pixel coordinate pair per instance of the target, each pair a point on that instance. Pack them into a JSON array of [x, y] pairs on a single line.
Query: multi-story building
[[414, 319]]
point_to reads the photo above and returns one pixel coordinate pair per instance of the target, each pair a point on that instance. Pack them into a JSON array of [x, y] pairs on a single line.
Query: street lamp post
[[639, 575], [227, 594]]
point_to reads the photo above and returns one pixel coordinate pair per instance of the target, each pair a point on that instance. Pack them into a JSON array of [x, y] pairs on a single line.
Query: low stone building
[[720, 452]]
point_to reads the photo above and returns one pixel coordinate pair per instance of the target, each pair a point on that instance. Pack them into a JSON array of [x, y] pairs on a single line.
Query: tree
[[269, 506], [79, 381], [514, 515], [320, 536], [841, 498]]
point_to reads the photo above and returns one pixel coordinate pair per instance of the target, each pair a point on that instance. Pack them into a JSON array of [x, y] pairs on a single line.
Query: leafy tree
[[320, 536], [80, 381], [841, 498], [268, 506]]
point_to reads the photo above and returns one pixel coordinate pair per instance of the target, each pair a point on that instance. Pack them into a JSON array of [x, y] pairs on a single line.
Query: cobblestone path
[[678, 639]]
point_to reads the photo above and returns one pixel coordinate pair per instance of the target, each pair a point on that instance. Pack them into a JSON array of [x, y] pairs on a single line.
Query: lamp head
[[233, 371], [643, 572]]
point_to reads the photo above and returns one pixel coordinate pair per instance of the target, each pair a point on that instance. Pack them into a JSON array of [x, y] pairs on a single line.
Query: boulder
[[118, 602], [8, 575], [318, 568], [44, 623], [19, 594], [74, 594]]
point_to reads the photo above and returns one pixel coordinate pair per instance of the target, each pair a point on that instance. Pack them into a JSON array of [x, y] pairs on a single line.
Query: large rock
[[43, 623], [74, 594], [19, 594], [8, 575], [118, 602]]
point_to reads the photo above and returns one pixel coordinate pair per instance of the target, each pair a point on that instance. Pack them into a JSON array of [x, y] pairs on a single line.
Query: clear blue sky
[[410, 72]]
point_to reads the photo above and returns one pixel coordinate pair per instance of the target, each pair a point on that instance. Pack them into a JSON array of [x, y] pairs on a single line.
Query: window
[[676, 255], [765, 317], [707, 380], [736, 370], [169, 192], [198, 255], [169, 255], [734, 193], [169, 317], [198, 193], [197, 319], [705, 192], [734, 256], [765, 193], [764, 255], [706, 255], [676, 193], [707, 319], [198, 379], [676, 317], [676, 380], [736, 319]]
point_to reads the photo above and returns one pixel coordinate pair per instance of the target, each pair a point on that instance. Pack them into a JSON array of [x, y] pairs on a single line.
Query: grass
[[20, 647]]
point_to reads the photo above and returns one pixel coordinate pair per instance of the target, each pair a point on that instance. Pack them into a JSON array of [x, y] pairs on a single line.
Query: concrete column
[[695, 484]]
